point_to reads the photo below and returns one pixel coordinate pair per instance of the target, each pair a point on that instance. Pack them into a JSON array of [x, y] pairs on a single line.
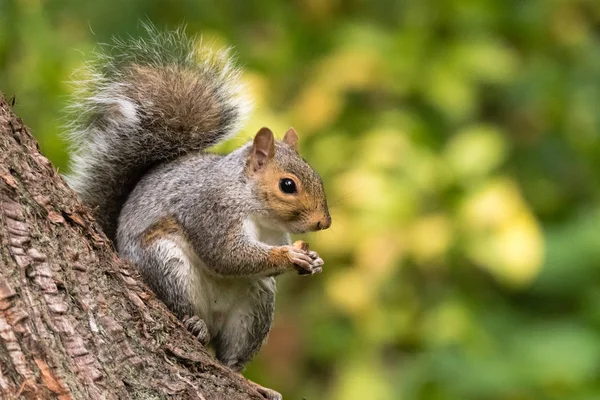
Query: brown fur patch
[[188, 102], [279, 256], [285, 205], [160, 229]]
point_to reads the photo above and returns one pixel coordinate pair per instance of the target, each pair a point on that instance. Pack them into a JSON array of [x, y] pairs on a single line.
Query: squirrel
[[208, 233]]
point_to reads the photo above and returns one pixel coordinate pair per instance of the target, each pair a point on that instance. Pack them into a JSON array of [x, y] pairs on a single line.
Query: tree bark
[[75, 321]]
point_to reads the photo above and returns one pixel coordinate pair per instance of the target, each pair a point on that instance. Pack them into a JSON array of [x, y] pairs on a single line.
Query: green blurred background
[[459, 144]]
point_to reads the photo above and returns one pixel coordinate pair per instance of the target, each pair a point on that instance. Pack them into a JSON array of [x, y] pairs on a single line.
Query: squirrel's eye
[[287, 186]]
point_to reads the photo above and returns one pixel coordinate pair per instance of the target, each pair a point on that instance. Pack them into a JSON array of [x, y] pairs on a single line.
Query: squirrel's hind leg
[[246, 329], [247, 325], [166, 267]]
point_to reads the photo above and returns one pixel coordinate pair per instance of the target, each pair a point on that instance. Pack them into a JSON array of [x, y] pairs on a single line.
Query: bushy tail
[[144, 101]]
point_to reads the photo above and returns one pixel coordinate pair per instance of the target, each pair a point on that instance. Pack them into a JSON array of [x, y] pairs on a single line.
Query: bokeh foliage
[[459, 144]]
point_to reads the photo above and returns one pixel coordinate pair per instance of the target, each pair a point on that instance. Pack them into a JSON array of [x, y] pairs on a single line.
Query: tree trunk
[[75, 321]]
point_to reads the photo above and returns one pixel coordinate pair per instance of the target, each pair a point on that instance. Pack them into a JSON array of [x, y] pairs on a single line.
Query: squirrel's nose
[[324, 223]]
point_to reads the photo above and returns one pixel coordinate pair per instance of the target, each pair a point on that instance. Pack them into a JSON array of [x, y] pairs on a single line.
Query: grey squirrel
[[208, 233]]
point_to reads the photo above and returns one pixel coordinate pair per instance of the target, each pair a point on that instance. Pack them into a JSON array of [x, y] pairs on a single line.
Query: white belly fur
[[217, 298]]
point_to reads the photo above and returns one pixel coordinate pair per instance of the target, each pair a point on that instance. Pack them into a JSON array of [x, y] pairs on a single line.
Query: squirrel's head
[[291, 191]]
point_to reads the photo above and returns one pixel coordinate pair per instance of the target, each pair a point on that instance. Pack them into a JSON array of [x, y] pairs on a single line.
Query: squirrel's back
[[145, 101]]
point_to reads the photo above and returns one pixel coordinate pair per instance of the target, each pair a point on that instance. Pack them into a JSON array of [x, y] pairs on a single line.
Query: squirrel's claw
[[318, 262], [198, 328], [268, 394]]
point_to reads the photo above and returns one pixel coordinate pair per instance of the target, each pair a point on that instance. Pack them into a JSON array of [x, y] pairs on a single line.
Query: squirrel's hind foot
[[198, 328], [268, 394]]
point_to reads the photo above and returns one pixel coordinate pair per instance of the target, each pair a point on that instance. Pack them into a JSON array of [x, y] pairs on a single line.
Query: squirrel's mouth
[[303, 228], [314, 223], [295, 226]]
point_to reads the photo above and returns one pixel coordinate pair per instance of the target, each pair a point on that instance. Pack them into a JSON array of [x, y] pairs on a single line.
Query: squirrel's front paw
[[198, 328], [305, 261]]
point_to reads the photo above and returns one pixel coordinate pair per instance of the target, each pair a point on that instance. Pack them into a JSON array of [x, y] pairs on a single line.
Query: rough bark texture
[[75, 321]]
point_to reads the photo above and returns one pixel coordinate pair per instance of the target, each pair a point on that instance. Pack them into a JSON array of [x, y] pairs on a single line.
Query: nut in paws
[[305, 261]]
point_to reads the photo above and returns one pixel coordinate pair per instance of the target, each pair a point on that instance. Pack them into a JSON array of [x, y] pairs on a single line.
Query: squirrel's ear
[[263, 149], [291, 138]]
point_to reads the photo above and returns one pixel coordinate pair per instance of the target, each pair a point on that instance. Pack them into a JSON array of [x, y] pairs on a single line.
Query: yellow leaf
[[430, 237], [491, 205], [377, 255], [364, 379], [451, 92], [504, 236], [476, 151], [350, 291], [317, 106]]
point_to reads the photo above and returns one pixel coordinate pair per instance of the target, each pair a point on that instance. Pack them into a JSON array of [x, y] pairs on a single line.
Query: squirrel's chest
[[258, 232]]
